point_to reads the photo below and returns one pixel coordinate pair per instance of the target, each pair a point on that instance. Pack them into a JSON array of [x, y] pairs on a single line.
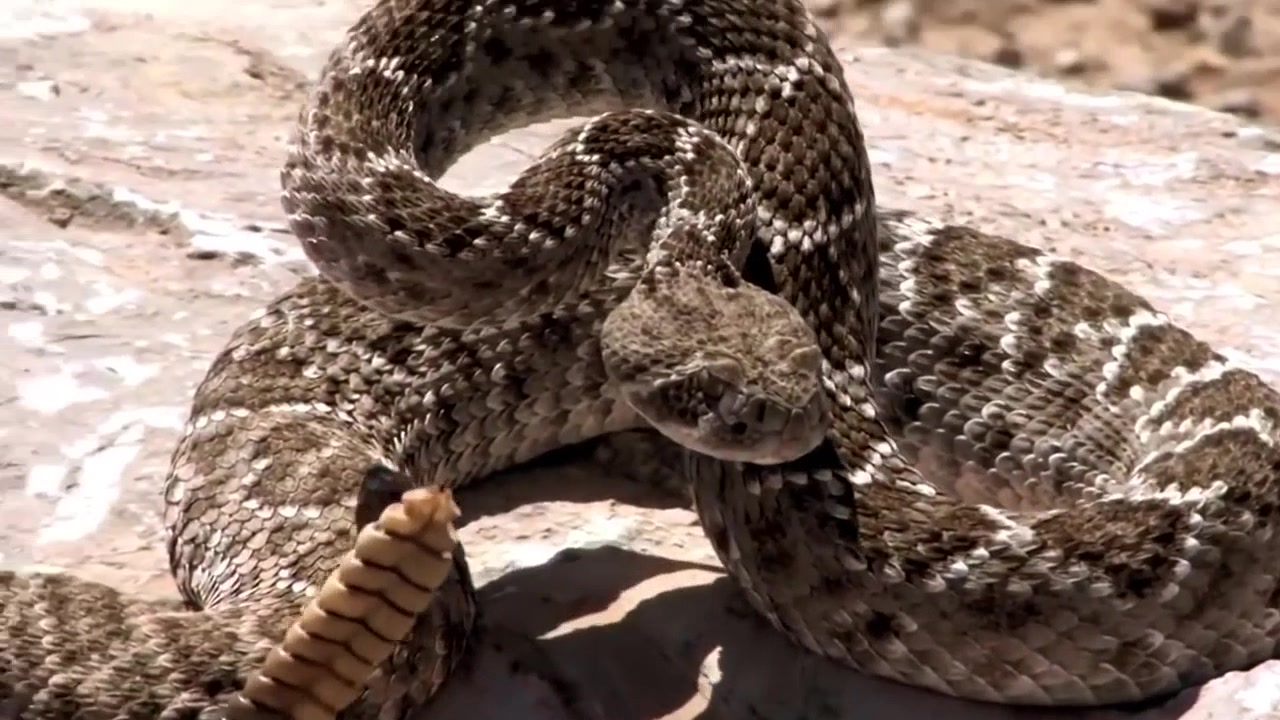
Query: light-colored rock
[[108, 324]]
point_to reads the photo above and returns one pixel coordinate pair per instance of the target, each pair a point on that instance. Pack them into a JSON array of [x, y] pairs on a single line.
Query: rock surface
[[138, 168]]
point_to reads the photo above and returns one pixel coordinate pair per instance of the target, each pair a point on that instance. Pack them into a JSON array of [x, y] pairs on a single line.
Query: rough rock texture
[[140, 224], [1223, 54]]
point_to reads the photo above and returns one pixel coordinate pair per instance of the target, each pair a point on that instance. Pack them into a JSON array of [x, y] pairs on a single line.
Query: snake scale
[[932, 454]]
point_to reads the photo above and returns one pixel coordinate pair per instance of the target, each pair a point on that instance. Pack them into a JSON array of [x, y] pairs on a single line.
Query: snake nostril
[[738, 428]]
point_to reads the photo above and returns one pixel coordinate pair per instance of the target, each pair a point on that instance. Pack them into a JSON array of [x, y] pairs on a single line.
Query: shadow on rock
[[627, 636]]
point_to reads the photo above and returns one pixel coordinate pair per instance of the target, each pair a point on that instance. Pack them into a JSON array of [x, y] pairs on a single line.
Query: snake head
[[730, 372]]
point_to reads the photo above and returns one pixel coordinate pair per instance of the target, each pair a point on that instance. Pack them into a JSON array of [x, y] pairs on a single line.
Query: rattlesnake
[[1138, 466]]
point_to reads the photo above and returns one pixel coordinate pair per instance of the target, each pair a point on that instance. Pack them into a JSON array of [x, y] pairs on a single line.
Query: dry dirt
[[139, 224], [1223, 54]]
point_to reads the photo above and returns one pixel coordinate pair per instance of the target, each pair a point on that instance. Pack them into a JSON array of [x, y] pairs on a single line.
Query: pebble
[[1172, 82], [1008, 53], [39, 89], [1243, 102], [1229, 28], [1070, 61], [1168, 15], [825, 8], [900, 20]]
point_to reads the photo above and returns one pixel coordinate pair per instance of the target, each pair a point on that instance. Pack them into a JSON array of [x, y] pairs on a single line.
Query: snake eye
[[723, 369], [806, 359]]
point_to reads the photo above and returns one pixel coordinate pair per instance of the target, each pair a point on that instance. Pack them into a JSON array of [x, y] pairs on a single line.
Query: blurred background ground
[[1223, 54]]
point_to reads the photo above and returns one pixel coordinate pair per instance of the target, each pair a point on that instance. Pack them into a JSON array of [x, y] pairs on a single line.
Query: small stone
[[60, 217], [1256, 138], [1070, 61], [1172, 14], [1008, 53], [1228, 28], [39, 89], [825, 8], [900, 21], [201, 253], [1173, 83], [1243, 102]]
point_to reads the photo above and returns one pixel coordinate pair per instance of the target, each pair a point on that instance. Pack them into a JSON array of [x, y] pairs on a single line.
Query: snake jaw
[[757, 429], [704, 412]]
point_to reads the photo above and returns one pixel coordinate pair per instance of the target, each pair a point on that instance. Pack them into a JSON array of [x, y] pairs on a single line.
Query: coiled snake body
[[936, 455]]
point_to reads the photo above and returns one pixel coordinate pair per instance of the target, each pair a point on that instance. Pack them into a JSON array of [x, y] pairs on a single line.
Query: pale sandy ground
[[139, 144]]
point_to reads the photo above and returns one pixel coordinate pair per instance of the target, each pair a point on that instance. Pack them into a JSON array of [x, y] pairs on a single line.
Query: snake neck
[[316, 388]]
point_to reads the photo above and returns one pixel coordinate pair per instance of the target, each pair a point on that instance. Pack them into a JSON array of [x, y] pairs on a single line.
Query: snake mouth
[[730, 423]]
